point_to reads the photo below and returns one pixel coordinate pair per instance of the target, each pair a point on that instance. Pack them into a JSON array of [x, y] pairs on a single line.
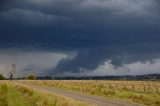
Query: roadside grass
[[3, 96], [17, 95], [147, 93], [13, 96], [146, 99]]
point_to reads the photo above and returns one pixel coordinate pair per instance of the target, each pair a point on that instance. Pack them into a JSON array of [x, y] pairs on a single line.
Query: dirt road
[[100, 101]]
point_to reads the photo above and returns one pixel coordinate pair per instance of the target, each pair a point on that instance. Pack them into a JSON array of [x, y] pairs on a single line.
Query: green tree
[[31, 77], [1, 77]]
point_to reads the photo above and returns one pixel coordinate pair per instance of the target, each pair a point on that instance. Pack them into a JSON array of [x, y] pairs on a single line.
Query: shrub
[[31, 77], [1, 77]]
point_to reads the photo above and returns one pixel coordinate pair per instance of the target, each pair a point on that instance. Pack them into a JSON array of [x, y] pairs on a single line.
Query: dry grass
[[18, 95], [144, 92]]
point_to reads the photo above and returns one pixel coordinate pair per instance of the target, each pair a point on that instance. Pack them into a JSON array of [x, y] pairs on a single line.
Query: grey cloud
[[26, 17], [29, 61], [104, 12], [119, 54], [135, 68]]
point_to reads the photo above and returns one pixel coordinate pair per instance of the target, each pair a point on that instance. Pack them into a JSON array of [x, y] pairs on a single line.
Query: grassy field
[[143, 92], [16, 95]]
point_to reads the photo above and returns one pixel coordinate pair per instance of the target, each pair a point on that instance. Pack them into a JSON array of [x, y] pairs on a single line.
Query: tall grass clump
[[3, 95]]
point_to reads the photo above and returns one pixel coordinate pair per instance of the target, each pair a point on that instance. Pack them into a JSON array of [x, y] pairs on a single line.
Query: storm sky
[[80, 37]]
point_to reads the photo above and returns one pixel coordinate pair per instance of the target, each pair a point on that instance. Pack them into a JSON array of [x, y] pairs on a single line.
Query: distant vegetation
[[1, 77], [144, 92], [17, 95], [31, 77], [149, 77]]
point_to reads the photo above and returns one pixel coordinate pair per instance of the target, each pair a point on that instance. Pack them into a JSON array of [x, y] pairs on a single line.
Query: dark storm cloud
[[2, 2], [119, 54], [97, 30], [84, 13]]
